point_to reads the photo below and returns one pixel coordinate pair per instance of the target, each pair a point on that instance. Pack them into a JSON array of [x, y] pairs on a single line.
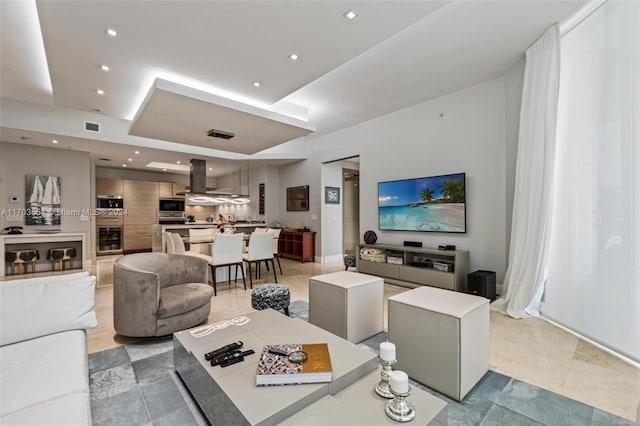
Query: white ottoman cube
[[441, 337], [347, 304]]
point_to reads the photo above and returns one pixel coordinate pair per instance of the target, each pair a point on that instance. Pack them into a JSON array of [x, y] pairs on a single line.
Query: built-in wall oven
[[109, 202], [109, 224], [171, 211]]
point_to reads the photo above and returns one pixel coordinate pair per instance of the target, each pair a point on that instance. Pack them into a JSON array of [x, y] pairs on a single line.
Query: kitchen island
[[183, 230]]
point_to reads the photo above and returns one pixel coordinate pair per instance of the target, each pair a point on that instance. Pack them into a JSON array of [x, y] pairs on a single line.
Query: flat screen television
[[428, 204]]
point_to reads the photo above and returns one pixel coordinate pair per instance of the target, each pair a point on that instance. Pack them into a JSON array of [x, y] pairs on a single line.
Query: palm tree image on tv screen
[[429, 204]]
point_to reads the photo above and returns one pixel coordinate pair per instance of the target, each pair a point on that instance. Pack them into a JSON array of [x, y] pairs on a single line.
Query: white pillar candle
[[387, 351], [399, 381]]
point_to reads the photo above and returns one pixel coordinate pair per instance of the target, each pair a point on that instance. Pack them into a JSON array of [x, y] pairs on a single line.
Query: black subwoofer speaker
[[482, 283]]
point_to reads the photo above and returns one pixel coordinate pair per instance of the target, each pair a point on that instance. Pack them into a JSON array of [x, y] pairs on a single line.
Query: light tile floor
[[531, 350]]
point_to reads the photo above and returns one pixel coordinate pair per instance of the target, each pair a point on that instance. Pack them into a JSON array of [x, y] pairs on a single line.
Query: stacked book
[[288, 364]]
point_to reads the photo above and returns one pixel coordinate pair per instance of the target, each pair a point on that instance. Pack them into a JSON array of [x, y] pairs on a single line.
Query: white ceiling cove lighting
[[168, 166], [111, 32], [23, 65], [350, 14], [173, 112]]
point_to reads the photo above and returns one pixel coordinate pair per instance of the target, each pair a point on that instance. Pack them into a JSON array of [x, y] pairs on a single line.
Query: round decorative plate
[[370, 237]]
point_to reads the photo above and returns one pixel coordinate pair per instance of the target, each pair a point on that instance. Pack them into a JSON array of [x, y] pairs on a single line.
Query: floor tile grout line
[[188, 400]]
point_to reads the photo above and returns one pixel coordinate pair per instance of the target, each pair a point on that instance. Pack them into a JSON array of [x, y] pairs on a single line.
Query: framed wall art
[[331, 195], [298, 198], [42, 200]]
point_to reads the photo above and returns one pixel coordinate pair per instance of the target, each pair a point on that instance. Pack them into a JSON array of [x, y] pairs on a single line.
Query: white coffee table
[[229, 396], [359, 405]]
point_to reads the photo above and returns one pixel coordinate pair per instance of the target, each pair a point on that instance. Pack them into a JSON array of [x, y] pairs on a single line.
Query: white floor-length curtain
[[593, 283], [528, 254]]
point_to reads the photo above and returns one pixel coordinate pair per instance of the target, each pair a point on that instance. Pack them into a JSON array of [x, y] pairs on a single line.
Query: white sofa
[[44, 374]]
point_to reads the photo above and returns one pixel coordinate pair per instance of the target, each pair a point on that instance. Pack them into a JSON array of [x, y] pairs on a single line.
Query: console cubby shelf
[[417, 266]]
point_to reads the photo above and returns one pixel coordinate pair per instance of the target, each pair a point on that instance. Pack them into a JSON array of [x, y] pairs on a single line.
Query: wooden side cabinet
[[297, 245]]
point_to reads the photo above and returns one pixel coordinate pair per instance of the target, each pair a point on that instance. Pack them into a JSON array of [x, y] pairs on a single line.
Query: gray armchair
[[156, 294]]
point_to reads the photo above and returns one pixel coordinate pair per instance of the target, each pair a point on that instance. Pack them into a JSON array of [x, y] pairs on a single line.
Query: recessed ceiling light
[[111, 32], [256, 83], [178, 162], [130, 160], [124, 165], [294, 57], [210, 168], [100, 92], [136, 152], [164, 170], [104, 67], [350, 14], [54, 141]]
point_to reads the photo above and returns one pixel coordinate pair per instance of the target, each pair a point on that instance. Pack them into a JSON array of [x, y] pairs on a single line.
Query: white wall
[[464, 131], [74, 169], [331, 218], [514, 79], [305, 172]]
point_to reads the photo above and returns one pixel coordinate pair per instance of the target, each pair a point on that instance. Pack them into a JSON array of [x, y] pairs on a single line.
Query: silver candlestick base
[[399, 409], [382, 388]]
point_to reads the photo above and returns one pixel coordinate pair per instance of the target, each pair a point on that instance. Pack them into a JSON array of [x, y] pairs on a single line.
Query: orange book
[[278, 369]]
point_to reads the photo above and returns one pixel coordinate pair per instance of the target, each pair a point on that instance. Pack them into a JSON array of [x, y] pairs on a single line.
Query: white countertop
[[43, 234], [204, 224]]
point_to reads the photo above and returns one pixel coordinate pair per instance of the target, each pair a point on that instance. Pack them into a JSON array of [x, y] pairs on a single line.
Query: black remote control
[[232, 361], [227, 358], [221, 358], [228, 348], [276, 351]]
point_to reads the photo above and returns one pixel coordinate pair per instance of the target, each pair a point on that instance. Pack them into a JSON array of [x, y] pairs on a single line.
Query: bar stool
[[60, 255], [21, 259]]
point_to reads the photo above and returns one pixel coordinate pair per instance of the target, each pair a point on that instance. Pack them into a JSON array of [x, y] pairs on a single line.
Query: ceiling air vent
[[104, 159], [91, 127], [220, 134]]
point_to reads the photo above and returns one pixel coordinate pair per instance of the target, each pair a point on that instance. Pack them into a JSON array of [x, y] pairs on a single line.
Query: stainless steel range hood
[[199, 194], [198, 177]]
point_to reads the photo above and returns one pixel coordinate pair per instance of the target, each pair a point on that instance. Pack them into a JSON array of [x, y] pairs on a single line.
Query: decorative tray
[[49, 231]]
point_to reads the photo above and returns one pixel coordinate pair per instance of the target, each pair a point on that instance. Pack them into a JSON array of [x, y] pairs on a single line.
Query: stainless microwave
[[104, 202], [171, 205]]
